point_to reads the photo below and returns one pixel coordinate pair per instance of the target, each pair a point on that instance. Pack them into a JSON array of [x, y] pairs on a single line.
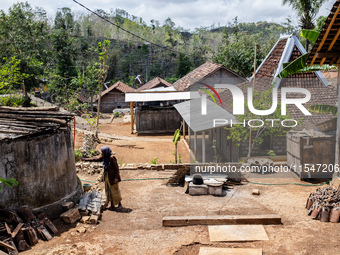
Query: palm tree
[[307, 11]]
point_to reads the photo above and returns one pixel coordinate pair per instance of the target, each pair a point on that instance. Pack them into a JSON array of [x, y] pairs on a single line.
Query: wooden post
[[337, 143], [132, 117], [203, 147], [74, 132], [183, 129], [189, 136], [195, 144]]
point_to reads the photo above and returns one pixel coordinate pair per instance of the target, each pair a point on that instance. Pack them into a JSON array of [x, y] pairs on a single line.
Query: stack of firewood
[[324, 204], [20, 229]]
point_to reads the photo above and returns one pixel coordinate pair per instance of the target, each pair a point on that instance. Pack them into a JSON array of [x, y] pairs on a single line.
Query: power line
[[127, 31]]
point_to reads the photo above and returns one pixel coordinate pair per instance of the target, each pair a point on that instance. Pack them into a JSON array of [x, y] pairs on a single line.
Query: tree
[[102, 73], [64, 51], [23, 33], [183, 66], [267, 124], [10, 75], [307, 11]]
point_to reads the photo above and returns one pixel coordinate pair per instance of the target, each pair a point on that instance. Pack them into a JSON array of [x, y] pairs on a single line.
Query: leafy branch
[[10, 182]]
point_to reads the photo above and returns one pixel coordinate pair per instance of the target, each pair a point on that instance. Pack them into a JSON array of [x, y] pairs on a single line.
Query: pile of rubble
[[89, 167], [20, 229], [324, 205], [89, 146], [89, 210]]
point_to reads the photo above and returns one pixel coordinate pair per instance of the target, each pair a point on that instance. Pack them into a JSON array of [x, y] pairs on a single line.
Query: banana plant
[[299, 65]]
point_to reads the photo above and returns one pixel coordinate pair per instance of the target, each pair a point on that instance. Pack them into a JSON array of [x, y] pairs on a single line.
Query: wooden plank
[[7, 246], [16, 230], [229, 251], [178, 221], [237, 233], [8, 229]]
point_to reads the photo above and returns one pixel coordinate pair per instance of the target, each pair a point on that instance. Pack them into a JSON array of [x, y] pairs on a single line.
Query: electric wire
[[129, 32]]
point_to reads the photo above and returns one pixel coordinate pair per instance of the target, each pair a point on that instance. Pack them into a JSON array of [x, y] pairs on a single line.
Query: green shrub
[[78, 154], [13, 101], [154, 161]]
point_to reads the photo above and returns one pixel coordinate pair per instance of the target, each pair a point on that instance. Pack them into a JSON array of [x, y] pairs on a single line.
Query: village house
[[207, 73], [114, 97]]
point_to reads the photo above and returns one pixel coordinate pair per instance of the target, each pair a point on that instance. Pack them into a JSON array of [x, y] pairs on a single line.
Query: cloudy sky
[[185, 13]]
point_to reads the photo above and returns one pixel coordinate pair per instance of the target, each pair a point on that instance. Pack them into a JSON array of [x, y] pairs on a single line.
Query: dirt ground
[[141, 231], [134, 148]]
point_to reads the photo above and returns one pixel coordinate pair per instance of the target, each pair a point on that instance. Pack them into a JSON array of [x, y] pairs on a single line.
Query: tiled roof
[[319, 95], [122, 87], [82, 98], [287, 49], [156, 82], [269, 66], [199, 73]]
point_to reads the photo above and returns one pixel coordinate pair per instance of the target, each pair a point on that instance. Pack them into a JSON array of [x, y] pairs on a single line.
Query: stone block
[[198, 190], [85, 219], [255, 192], [94, 219], [215, 190], [67, 205], [71, 216]]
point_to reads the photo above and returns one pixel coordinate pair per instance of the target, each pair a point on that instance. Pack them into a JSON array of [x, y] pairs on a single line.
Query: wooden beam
[[7, 246], [132, 117], [326, 34], [334, 40], [326, 54], [179, 221], [16, 230]]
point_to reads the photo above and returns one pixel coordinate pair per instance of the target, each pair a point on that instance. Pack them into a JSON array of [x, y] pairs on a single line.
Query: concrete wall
[[43, 165], [112, 100], [157, 119]]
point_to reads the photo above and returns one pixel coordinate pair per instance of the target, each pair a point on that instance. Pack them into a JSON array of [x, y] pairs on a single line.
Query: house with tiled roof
[[154, 83], [114, 97], [206, 73]]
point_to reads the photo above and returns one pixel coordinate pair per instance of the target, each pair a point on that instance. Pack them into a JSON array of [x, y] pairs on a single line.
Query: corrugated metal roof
[[191, 113], [160, 96]]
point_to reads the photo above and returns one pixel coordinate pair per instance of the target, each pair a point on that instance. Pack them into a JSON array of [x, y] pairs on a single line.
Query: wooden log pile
[[324, 205], [19, 122], [21, 229]]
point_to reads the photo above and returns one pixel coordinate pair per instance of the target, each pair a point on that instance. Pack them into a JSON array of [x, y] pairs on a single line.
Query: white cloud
[[188, 13]]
